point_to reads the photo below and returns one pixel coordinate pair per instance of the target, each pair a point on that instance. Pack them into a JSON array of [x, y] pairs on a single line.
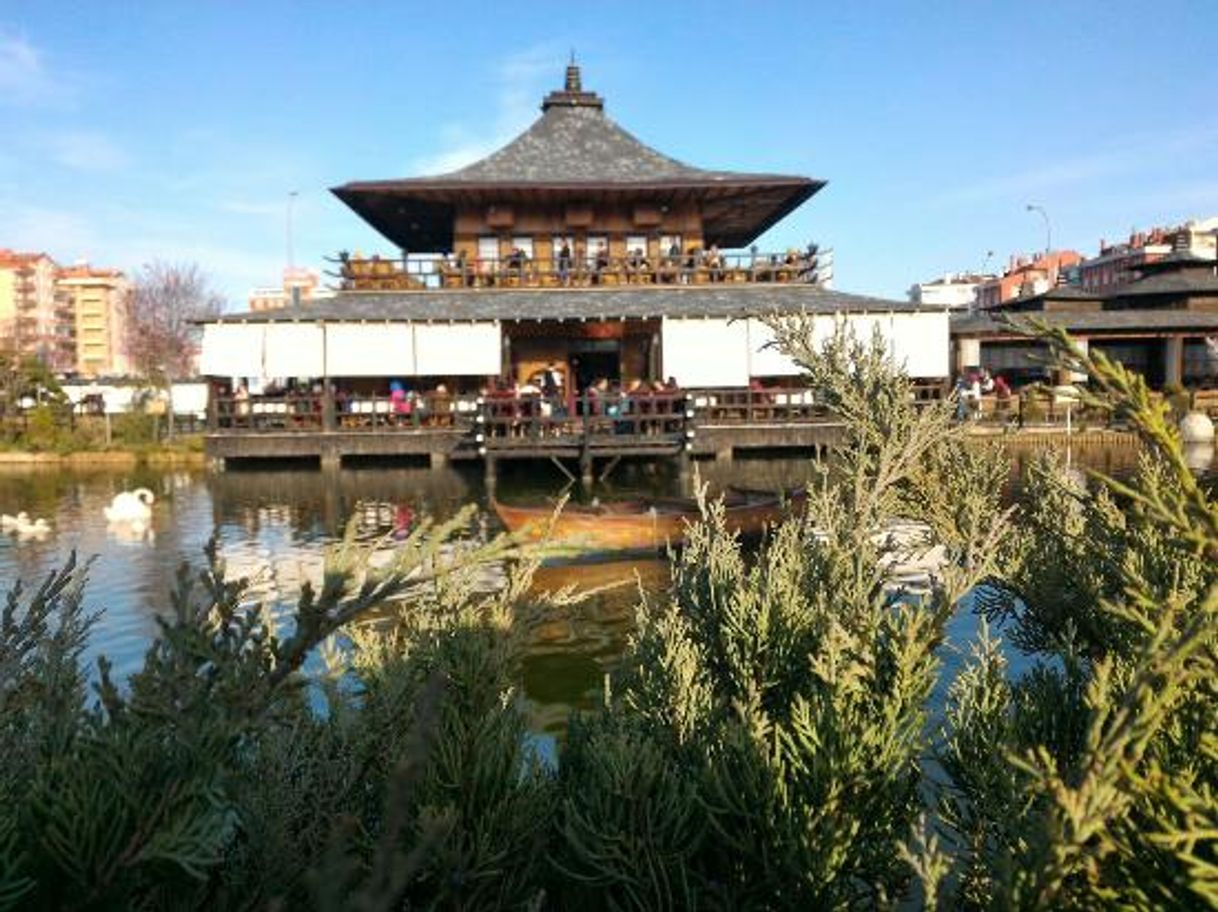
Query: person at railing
[[636, 264], [564, 263], [551, 389], [600, 264], [714, 263], [241, 401], [693, 262], [400, 404], [517, 262], [441, 405]]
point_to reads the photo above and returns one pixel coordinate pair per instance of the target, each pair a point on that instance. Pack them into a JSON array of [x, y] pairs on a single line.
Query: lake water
[[273, 525]]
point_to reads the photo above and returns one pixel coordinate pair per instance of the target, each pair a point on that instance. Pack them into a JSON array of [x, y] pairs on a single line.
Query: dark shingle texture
[[1124, 321], [581, 303]]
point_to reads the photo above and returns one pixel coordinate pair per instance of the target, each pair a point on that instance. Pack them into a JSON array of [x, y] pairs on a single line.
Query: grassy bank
[[182, 451]]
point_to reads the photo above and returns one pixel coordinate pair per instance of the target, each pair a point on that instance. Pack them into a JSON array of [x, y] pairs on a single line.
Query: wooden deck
[[679, 425]]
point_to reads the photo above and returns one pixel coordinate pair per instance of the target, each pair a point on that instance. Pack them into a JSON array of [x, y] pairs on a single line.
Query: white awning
[[767, 360], [232, 350], [920, 343], [369, 350], [706, 352], [294, 350], [448, 349]]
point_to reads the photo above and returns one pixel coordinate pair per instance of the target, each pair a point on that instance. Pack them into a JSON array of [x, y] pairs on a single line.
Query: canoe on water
[[642, 524]]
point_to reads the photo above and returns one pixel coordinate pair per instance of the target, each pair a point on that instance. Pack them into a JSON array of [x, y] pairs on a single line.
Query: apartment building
[[1026, 277], [954, 291], [101, 303], [36, 315], [299, 286]]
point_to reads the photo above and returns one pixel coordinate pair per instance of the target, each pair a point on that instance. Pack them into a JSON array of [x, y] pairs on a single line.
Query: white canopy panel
[[920, 343], [706, 352], [766, 360], [369, 350], [232, 350], [469, 349], [864, 326], [294, 350]]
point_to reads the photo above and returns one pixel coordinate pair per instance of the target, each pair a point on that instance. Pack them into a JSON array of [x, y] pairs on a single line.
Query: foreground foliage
[[777, 736]]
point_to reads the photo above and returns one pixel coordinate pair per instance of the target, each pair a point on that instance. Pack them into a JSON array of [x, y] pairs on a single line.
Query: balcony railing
[[519, 271]]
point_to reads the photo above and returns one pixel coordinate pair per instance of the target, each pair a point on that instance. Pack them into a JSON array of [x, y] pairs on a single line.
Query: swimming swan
[[13, 523], [24, 526], [130, 506]]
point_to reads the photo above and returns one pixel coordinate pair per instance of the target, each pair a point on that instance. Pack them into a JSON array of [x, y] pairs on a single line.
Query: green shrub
[[134, 428], [42, 428], [769, 742]]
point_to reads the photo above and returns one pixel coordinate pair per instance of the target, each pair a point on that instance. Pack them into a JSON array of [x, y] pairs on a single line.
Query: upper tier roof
[[574, 151]]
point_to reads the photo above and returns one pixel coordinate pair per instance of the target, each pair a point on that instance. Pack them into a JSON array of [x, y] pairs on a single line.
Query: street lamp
[[1032, 207], [291, 252]]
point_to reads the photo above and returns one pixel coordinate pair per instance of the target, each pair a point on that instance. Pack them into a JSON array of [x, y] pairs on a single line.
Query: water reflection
[[273, 526]]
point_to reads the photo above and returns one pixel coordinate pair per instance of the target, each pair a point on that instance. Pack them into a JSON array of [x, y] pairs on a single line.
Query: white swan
[[38, 528], [24, 527], [13, 523], [130, 506]]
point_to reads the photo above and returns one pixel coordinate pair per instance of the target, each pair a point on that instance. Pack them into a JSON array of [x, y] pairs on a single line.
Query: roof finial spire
[[573, 80], [572, 94]]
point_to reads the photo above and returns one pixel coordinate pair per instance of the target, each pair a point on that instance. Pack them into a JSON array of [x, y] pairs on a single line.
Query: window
[[488, 253], [525, 244], [668, 242], [595, 243], [636, 244]]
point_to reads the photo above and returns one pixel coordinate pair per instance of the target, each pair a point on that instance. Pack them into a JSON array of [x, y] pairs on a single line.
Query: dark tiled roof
[[578, 303], [576, 150], [1171, 283], [1123, 321], [581, 145]]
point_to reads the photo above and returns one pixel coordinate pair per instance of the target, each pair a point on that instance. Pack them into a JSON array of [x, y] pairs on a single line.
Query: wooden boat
[[641, 524]]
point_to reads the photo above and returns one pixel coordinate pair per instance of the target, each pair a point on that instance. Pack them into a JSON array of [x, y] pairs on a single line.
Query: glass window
[[525, 244], [668, 242], [488, 253], [596, 242], [636, 245]]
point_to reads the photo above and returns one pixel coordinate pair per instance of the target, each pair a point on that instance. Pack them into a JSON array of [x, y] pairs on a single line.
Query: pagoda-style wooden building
[[575, 249]]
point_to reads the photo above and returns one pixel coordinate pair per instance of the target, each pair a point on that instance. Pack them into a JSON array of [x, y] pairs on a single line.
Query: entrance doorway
[[595, 359]]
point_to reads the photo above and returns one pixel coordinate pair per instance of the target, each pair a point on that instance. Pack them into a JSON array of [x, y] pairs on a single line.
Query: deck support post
[[331, 460], [489, 476], [723, 454], [586, 475], [437, 460]]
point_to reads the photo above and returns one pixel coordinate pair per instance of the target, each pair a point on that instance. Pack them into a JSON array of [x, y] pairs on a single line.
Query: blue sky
[[177, 132]]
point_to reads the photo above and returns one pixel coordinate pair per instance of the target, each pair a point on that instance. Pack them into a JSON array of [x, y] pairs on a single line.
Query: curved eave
[[417, 214]]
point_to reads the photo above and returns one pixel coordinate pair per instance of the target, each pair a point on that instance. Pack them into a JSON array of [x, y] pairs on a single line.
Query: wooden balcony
[[377, 274]]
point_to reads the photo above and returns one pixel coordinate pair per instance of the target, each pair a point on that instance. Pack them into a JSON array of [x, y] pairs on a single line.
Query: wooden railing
[[650, 416], [694, 268], [732, 405]]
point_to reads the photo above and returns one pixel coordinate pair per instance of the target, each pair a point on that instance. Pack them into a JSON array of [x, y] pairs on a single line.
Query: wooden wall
[[617, 222]]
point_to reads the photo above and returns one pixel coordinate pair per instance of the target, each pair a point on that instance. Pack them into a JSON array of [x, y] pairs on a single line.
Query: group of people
[[971, 387], [675, 265]]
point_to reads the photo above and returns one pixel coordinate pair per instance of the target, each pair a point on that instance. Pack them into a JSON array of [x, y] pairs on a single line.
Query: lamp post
[[291, 253], [1032, 207]]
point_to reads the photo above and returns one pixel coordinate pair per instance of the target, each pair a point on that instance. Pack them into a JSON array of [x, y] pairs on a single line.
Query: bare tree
[[163, 336]]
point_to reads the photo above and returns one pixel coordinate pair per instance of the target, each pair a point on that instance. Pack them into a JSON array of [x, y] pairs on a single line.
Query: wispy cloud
[[84, 150], [59, 232], [520, 79], [1132, 154], [24, 77]]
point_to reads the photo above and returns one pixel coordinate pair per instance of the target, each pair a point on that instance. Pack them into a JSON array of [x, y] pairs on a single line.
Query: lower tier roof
[[578, 303]]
